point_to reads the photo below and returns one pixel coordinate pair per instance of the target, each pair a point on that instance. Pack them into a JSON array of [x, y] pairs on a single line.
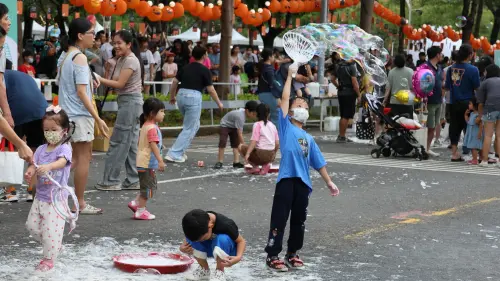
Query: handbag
[[365, 128], [11, 165]]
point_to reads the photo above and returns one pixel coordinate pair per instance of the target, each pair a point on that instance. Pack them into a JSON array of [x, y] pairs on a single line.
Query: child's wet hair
[[151, 107], [263, 112], [195, 224], [61, 119]]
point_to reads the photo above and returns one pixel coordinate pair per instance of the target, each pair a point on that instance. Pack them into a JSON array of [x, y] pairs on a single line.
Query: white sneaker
[[116, 187], [29, 198], [170, 159], [199, 274], [483, 164], [218, 276], [437, 143], [432, 153], [185, 157]]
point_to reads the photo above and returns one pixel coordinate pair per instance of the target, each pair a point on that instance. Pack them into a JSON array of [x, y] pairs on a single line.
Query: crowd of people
[[59, 137]]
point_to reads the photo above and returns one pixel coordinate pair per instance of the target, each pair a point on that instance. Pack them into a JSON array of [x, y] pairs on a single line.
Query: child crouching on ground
[[209, 234], [231, 126], [148, 157], [294, 186], [264, 143]]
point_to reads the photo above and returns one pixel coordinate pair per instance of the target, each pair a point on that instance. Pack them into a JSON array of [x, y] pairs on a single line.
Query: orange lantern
[[107, 8], [317, 5], [178, 10], [355, 2], [258, 19], [143, 9], [348, 3], [294, 7], [155, 13], [207, 13], [167, 14], [120, 7], [246, 20], [275, 6], [285, 7], [189, 5], [216, 13], [198, 9], [90, 8], [132, 4], [79, 3], [242, 11], [237, 3], [498, 44], [300, 7], [266, 14]]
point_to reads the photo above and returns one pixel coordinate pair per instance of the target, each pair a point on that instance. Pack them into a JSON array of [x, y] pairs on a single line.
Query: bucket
[[313, 89], [331, 123]]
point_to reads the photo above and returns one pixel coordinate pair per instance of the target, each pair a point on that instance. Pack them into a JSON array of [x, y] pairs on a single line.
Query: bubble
[[460, 21], [352, 43]]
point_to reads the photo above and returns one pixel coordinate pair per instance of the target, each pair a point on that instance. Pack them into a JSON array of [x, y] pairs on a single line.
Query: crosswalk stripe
[[391, 162], [408, 163]]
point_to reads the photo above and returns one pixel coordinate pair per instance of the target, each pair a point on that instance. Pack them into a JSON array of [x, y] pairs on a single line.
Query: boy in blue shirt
[[298, 153]]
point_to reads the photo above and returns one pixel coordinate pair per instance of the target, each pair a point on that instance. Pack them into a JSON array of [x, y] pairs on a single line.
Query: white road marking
[[409, 163], [202, 176]]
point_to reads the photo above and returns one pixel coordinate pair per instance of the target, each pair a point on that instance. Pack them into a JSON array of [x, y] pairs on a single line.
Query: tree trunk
[[365, 21], [479, 15], [273, 32], [496, 27], [28, 24], [225, 42], [402, 13], [205, 28], [470, 15], [60, 20]]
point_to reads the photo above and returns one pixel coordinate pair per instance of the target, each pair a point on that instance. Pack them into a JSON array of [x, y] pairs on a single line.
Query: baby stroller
[[398, 139]]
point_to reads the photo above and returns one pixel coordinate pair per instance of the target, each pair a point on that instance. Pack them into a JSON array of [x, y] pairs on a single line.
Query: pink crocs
[[44, 266], [144, 215]]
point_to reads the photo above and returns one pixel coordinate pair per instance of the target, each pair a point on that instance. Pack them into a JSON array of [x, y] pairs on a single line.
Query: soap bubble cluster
[[352, 43]]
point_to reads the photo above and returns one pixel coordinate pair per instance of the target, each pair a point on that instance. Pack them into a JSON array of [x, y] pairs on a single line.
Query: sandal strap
[[295, 260]]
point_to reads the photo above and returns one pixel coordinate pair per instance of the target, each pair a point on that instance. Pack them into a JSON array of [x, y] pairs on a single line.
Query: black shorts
[[232, 134], [347, 106], [33, 131]]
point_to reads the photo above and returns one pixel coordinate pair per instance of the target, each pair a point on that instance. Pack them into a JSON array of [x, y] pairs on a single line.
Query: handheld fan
[[299, 48], [59, 196]]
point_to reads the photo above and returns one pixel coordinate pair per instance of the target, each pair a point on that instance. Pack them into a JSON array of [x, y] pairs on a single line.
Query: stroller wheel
[[386, 152], [375, 153]]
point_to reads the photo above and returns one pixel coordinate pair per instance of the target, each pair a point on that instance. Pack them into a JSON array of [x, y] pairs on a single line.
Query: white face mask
[[53, 137], [30, 60], [300, 114]]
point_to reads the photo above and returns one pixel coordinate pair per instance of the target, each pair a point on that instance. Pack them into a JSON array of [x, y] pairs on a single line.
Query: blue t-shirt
[[462, 79], [298, 152], [27, 103], [437, 94]]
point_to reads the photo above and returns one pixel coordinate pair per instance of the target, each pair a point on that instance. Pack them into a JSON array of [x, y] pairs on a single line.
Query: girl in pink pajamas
[[52, 159]]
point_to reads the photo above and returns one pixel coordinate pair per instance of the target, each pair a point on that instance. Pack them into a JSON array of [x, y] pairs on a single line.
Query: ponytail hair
[[464, 52], [77, 26], [263, 112]]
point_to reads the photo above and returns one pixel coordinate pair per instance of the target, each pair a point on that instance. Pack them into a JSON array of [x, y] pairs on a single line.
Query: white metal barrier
[[112, 106]]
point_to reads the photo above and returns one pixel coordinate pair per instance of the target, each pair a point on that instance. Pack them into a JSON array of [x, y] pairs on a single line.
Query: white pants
[[166, 87], [47, 227]]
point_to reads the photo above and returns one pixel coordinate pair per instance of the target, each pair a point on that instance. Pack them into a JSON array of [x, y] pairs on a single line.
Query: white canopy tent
[[189, 34], [237, 38], [39, 30], [278, 42]]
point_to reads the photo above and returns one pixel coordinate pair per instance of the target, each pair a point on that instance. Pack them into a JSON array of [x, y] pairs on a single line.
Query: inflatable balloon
[[423, 81], [405, 97]]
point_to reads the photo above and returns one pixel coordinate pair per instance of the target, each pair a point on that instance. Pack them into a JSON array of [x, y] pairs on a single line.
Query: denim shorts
[[491, 116]]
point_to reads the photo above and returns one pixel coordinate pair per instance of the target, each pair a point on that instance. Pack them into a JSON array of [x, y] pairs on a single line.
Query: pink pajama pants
[[47, 227]]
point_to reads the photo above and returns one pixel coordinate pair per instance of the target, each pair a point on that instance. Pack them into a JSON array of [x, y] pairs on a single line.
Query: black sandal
[[457, 160]]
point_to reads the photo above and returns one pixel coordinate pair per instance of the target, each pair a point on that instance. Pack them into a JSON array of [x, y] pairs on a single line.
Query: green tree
[[494, 7]]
